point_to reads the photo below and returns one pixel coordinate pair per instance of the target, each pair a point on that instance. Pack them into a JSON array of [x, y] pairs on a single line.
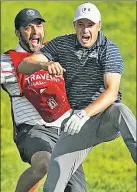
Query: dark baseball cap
[[26, 16]]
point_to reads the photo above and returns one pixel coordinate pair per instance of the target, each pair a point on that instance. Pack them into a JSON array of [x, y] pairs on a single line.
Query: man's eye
[[80, 24], [27, 28], [91, 24]]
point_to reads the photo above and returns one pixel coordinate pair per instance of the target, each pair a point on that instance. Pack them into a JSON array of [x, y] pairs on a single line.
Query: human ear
[[100, 25], [17, 33], [74, 25]]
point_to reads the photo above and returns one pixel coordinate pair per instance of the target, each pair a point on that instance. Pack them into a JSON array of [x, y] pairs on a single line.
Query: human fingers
[[55, 68], [74, 130], [59, 69], [72, 127], [67, 124], [78, 128], [51, 69]]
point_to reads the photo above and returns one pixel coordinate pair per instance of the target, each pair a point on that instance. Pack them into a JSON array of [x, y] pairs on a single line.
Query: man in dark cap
[[34, 137], [29, 29]]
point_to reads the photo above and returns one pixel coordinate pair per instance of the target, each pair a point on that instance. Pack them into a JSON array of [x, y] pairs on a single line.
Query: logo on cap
[[30, 12], [85, 10]]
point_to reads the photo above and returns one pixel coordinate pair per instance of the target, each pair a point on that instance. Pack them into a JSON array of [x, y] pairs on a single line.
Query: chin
[[34, 49], [86, 45]]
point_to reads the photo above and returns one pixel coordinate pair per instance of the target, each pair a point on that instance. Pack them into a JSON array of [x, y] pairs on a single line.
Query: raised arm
[[38, 61]]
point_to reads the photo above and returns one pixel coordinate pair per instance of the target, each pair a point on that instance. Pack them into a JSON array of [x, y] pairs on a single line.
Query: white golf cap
[[87, 11]]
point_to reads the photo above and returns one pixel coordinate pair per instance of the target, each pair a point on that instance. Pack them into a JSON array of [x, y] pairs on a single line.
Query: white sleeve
[[2, 76], [6, 69]]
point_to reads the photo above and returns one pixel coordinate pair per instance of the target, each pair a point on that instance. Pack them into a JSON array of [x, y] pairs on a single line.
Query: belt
[[22, 128], [26, 127], [59, 129], [54, 129]]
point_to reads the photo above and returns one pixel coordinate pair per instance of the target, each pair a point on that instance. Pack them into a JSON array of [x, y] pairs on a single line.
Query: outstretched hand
[[55, 68]]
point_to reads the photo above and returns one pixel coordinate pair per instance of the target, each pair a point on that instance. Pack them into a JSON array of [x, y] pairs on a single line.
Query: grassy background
[[109, 167]]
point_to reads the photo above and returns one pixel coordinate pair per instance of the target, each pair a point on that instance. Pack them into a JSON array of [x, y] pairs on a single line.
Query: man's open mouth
[[85, 38], [34, 41]]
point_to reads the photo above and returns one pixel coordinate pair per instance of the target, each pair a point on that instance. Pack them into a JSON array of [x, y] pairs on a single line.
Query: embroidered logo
[[93, 55], [30, 12], [52, 103], [86, 10]]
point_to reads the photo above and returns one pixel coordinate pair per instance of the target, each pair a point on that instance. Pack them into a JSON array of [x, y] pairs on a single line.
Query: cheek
[[26, 35], [78, 31], [94, 33], [41, 32], [78, 36], [27, 32]]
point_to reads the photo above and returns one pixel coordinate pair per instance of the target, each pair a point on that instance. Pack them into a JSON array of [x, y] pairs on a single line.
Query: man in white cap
[[86, 16], [93, 71]]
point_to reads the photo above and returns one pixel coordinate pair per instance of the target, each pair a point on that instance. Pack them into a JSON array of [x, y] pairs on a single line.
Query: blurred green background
[[109, 167]]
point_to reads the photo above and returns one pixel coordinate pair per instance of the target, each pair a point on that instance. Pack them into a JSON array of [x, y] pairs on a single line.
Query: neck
[[25, 48]]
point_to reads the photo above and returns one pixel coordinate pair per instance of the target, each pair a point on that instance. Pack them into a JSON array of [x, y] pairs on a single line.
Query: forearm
[[33, 63], [103, 101]]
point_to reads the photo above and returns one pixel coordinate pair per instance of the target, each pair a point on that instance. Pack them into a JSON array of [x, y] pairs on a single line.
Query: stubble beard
[[26, 45]]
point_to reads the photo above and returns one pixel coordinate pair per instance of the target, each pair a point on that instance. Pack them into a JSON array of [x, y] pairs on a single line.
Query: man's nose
[[34, 29], [86, 29]]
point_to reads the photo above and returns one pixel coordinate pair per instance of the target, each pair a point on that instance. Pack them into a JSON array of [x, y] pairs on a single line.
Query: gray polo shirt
[[85, 67]]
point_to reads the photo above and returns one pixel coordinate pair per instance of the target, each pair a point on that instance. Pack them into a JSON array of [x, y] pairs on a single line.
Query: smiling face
[[87, 31], [31, 37]]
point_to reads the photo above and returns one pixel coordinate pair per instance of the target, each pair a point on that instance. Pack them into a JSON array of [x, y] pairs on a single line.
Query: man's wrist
[[81, 114], [44, 65]]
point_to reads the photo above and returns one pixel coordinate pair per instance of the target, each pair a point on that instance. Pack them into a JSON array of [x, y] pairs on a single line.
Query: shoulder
[[109, 48], [6, 62], [6, 68], [111, 45], [5, 57], [65, 38], [108, 43], [60, 41]]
